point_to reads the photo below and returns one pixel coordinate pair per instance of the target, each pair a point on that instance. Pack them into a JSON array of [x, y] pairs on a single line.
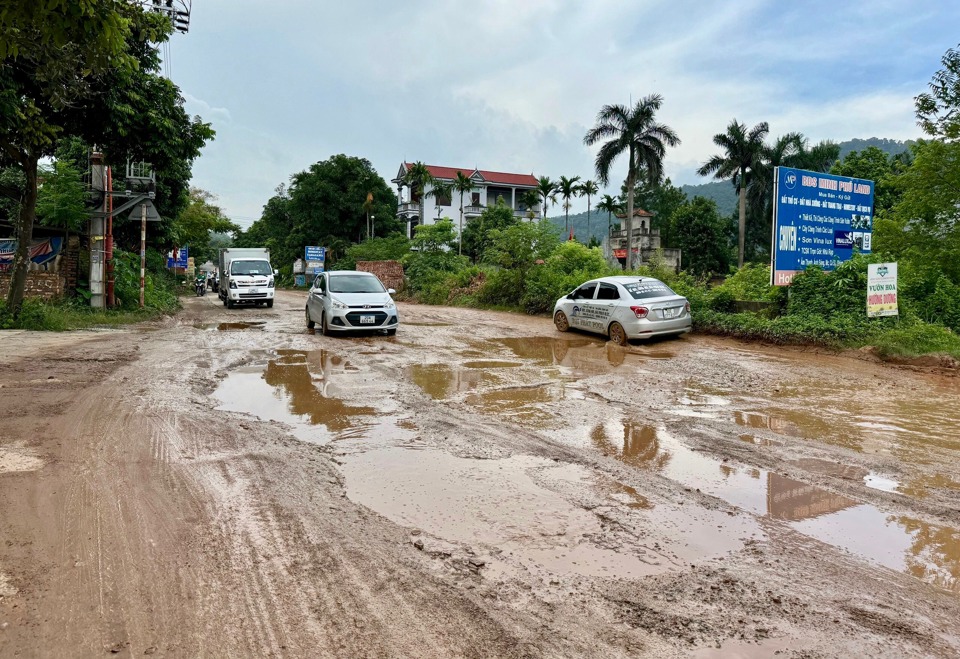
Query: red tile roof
[[637, 212], [503, 178]]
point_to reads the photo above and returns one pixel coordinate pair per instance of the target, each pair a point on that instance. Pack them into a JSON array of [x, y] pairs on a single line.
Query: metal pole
[[143, 249], [108, 242]]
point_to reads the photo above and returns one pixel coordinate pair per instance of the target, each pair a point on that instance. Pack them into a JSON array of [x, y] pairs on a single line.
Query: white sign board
[[882, 290]]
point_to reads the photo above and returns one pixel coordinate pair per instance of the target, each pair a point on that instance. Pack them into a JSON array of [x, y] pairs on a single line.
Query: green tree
[[195, 224], [742, 150], [462, 184], [441, 191], [610, 206], [61, 199], [702, 235], [587, 189], [567, 188], [519, 246], [476, 235], [636, 133], [546, 188], [872, 164], [529, 199], [938, 111]]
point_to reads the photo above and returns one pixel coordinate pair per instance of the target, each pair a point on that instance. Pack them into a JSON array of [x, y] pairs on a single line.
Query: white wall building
[[488, 186]]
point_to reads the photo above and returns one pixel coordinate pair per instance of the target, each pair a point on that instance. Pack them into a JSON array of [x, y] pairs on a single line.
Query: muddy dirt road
[[226, 483]]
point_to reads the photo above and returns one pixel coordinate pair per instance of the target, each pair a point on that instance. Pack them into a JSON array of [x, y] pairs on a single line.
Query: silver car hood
[[360, 299]]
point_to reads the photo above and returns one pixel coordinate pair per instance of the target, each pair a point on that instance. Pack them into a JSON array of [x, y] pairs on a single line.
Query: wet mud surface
[[228, 481]]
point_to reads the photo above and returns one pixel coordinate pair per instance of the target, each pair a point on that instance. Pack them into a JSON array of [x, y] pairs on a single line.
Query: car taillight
[[686, 307], [640, 312]]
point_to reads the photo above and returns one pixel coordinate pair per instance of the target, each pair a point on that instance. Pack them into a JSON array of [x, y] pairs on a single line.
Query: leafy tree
[[817, 158], [441, 190], [567, 188], [61, 199], [462, 184], [587, 189], [529, 199], [476, 236], [609, 205], [389, 248], [519, 246], [872, 164], [195, 224], [742, 150], [546, 188], [636, 133], [702, 235], [938, 111]]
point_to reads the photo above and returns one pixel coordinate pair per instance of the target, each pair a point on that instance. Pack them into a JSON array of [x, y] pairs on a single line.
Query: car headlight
[[270, 283], [389, 305], [233, 284], [337, 304]]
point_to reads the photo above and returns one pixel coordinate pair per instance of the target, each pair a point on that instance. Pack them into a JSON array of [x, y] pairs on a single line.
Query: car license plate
[[367, 320], [254, 290], [671, 313]]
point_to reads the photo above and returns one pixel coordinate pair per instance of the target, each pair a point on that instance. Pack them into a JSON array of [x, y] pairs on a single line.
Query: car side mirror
[[391, 291]]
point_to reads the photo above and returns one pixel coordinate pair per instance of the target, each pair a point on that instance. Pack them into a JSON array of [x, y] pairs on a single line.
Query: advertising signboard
[[882, 290], [818, 219], [315, 258], [178, 258]]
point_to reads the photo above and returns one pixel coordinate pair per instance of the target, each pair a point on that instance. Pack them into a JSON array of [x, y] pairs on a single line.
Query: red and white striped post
[[143, 249]]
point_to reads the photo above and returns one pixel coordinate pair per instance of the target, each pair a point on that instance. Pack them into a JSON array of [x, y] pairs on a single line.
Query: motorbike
[[200, 286]]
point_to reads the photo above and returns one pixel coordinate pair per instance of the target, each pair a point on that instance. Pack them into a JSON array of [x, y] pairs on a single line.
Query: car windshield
[[250, 268], [647, 288], [355, 284]]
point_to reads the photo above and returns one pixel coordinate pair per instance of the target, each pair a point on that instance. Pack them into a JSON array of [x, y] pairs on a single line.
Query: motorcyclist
[[200, 284]]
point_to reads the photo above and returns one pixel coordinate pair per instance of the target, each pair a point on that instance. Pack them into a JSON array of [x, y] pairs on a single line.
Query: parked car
[[349, 300], [624, 308]]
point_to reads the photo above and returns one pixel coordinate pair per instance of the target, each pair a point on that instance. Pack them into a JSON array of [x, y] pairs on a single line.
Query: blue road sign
[[819, 219]]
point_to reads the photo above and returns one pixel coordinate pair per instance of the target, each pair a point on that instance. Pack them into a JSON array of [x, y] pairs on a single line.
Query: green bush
[[722, 300], [750, 283]]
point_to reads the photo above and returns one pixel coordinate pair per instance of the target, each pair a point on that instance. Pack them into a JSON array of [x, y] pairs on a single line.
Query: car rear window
[[642, 290]]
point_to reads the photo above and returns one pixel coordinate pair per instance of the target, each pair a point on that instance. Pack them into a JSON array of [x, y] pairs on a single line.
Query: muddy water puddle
[[519, 509], [929, 552], [581, 356], [312, 392], [231, 327]]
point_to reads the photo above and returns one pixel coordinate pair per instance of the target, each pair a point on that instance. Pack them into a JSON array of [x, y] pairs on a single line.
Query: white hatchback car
[[350, 300], [624, 308]]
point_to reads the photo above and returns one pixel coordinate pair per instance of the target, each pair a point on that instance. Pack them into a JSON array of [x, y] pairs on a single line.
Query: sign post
[[315, 258], [882, 290], [818, 219]]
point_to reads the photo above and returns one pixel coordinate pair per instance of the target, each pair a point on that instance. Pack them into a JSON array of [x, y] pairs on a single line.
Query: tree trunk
[[631, 181], [588, 220], [21, 259], [743, 217], [460, 234], [566, 221]]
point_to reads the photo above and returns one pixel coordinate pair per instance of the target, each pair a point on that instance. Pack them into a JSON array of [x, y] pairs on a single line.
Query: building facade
[[646, 242], [488, 187]]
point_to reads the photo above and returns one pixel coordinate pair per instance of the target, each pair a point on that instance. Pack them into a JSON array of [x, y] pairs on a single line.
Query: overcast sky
[[514, 85]]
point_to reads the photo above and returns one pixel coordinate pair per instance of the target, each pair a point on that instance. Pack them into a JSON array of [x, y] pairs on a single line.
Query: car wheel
[[269, 304], [391, 332], [310, 323], [560, 320], [323, 325], [617, 335], [229, 303]]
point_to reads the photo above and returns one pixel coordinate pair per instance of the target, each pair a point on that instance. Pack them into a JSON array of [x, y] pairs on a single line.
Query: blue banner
[[178, 259], [40, 251], [819, 219], [315, 258]]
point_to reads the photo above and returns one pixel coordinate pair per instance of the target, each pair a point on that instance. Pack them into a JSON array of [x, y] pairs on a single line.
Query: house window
[[474, 198], [443, 200]]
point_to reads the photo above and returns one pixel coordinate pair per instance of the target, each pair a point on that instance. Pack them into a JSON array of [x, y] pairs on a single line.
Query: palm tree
[[566, 188], [530, 199], [418, 178], [742, 152], [440, 190], [367, 206], [546, 189], [587, 189], [636, 132], [462, 184], [611, 206]]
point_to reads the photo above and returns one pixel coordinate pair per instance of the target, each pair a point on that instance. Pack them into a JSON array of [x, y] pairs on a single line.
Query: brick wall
[[389, 272], [43, 285]]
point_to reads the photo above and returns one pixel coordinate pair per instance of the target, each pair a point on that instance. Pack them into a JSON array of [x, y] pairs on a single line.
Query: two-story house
[[487, 188]]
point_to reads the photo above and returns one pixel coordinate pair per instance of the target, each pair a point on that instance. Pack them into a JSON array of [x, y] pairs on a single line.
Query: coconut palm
[[635, 132], [418, 178], [546, 188], [587, 189], [567, 188], [742, 150], [462, 184], [610, 206]]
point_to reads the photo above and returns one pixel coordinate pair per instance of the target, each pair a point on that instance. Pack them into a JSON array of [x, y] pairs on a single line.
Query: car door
[[606, 305], [316, 297], [581, 311]]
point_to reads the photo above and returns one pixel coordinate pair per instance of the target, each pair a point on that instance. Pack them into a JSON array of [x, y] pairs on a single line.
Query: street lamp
[[373, 231]]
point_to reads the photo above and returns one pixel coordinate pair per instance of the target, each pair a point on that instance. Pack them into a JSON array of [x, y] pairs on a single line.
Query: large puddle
[[928, 552], [580, 356]]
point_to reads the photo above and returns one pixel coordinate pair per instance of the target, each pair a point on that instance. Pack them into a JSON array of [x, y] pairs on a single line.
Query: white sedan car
[[624, 308], [350, 300]]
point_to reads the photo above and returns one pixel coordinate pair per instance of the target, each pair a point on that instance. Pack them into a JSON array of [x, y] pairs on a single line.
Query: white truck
[[246, 277]]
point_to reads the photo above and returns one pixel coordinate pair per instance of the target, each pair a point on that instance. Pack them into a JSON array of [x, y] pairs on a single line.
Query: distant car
[[624, 308], [349, 300]]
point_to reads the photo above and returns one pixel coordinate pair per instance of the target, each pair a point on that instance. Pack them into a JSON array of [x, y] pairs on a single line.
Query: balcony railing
[[409, 207], [473, 209], [637, 231]]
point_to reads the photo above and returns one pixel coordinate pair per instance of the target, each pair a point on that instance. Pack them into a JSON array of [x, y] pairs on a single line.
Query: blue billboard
[[316, 258], [178, 258], [818, 219]]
